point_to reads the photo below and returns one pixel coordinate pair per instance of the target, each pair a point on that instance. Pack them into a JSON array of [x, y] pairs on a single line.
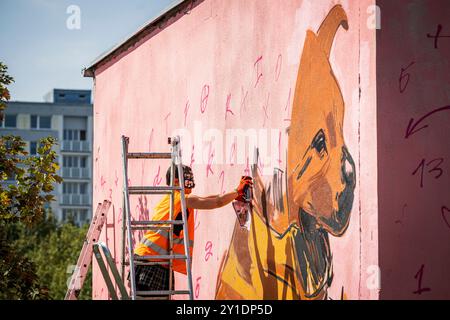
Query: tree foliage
[[34, 250], [5, 80]]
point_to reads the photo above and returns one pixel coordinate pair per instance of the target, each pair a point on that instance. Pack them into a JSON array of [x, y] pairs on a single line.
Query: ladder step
[[151, 228], [161, 256], [162, 292], [149, 155], [151, 298], [149, 263], [152, 190], [155, 222]]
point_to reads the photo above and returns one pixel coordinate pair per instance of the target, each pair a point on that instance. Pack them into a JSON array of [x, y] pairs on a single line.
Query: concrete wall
[[235, 65], [413, 81]]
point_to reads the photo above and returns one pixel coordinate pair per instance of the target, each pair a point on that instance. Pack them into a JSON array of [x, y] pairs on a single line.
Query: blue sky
[[42, 53]]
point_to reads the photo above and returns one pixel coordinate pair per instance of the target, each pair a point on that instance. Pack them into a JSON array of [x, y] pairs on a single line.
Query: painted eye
[[319, 143]]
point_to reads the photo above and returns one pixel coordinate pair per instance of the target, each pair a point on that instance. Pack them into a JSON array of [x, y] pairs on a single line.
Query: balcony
[[76, 146], [75, 199], [75, 173]]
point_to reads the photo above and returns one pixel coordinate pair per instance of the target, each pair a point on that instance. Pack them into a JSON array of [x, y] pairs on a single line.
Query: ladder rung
[[161, 256], [162, 292], [152, 190], [154, 222], [151, 298], [150, 228], [149, 155], [149, 263]]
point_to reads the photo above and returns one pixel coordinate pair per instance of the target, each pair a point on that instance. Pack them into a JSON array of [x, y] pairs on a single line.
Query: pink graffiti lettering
[[157, 180], [210, 160], [204, 98], [186, 109], [243, 105], [228, 109], [208, 250], [278, 67], [259, 74]]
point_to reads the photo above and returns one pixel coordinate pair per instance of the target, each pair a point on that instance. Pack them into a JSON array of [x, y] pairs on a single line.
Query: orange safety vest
[[157, 242]]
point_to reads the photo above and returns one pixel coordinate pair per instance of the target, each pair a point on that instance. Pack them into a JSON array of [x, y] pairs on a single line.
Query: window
[[9, 121], [74, 188], [41, 122], [74, 161], [45, 122], [33, 148], [34, 122], [72, 134]]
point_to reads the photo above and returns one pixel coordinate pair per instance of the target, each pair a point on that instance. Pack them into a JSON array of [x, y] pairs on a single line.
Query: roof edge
[[134, 37]]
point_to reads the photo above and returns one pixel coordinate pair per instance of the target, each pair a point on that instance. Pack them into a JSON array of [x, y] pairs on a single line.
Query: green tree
[[54, 249], [22, 202]]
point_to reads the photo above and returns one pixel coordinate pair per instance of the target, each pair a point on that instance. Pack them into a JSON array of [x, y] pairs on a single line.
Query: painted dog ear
[[327, 30]]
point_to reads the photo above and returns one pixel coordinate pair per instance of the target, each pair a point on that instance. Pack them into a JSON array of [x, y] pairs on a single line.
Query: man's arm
[[210, 202]]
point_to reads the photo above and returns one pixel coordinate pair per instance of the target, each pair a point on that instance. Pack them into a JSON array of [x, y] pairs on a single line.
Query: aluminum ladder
[[85, 257], [128, 226], [101, 247]]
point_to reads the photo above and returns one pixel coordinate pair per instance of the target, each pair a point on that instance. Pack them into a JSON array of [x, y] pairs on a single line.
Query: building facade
[[67, 116]]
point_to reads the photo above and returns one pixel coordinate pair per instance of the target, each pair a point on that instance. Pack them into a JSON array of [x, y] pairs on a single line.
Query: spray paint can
[[247, 191]]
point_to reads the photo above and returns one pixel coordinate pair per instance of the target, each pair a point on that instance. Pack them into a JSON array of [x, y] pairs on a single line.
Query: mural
[[285, 254]]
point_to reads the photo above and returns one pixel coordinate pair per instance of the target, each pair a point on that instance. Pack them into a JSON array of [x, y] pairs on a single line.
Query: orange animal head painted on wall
[[321, 171]]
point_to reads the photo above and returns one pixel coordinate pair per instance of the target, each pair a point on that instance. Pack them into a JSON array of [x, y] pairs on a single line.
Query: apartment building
[[67, 116]]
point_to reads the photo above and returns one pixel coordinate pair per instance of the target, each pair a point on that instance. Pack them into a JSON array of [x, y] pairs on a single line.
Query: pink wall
[[414, 219], [244, 55]]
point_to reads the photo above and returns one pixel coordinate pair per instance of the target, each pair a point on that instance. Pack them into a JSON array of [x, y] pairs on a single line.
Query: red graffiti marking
[[186, 109], [102, 181], [288, 102], [228, 109], [204, 98], [116, 180], [197, 287], [265, 106], [446, 212], [233, 153], [195, 219], [278, 67], [150, 140], [258, 71], [210, 160], [222, 177], [157, 179], [243, 105], [165, 119], [405, 77], [436, 169], [208, 250], [192, 156], [247, 168], [411, 128], [119, 219], [419, 276], [110, 194], [437, 36]]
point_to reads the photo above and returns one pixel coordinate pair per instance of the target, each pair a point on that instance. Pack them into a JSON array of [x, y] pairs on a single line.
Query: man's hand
[[246, 181]]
